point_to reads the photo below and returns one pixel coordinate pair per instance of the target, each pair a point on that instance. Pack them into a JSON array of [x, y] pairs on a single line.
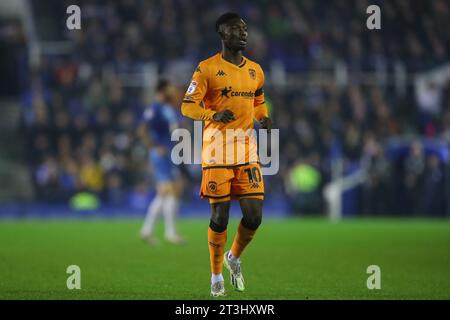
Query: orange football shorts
[[221, 184]]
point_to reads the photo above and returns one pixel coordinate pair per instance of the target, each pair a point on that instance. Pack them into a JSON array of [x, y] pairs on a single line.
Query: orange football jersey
[[218, 85]]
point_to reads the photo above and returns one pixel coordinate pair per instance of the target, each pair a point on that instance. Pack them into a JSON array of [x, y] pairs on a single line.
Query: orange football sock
[[241, 240], [216, 243]]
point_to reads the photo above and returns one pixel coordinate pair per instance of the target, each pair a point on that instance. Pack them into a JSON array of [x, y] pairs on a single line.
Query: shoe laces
[[217, 285], [236, 266]]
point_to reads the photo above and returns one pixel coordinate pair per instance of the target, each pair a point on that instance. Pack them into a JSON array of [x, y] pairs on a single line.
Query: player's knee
[[219, 216], [252, 222], [218, 225]]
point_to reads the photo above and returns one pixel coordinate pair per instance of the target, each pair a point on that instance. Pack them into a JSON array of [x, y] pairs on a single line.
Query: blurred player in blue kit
[[159, 119]]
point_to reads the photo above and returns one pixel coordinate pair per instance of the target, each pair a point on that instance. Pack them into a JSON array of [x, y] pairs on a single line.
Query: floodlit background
[[349, 102], [364, 115]]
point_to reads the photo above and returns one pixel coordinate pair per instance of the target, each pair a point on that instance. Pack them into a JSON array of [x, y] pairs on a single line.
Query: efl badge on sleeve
[[192, 87]]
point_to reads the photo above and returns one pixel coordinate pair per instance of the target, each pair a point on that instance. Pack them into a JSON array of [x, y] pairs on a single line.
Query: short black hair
[[161, 85], [224, 18]]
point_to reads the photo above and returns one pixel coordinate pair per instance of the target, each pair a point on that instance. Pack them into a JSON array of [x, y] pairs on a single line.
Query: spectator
[[303, 184], [413, 181]]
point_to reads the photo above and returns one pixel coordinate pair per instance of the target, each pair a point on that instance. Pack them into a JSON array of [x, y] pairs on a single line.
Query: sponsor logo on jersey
[[228, 92], [225, 91], [220, 73], [254, 185]]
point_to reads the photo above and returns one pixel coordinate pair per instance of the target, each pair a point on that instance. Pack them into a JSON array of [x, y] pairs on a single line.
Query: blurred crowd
[[84, 141], [81, 129], [355, 124], [303, 35]]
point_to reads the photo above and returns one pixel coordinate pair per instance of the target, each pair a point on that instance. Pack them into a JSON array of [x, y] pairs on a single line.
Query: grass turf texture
[[289, 259]]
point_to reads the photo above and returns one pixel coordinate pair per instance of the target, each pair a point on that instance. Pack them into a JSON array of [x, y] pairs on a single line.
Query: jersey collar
[[244, 61]]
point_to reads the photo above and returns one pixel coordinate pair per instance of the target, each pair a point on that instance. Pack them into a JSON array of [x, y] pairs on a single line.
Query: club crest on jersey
[[212, 186], [252, 73], [192, 87]]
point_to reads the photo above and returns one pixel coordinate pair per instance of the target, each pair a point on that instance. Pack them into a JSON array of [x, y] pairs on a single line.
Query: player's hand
[[266, 123], [224, 116]]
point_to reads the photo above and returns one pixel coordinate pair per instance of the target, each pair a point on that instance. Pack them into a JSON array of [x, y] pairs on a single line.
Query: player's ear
[[221, 32]]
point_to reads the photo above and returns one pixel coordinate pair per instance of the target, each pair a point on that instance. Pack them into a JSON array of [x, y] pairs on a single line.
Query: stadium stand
[[338, 92]]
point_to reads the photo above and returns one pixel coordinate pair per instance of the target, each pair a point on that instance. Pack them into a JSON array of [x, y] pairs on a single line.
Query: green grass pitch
[[288, 259]]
